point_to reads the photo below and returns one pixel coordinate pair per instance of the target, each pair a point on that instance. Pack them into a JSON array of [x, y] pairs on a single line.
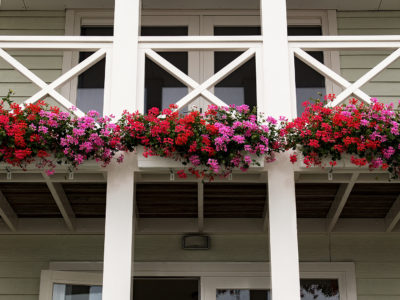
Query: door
[[236, 288]]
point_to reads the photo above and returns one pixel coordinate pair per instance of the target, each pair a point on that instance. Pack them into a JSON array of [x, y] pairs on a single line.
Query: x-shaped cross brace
[[200, 89], [49, 89]]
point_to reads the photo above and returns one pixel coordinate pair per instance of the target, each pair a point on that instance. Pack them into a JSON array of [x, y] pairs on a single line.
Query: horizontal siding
[[46, 64], [354, 64], [376, 257]]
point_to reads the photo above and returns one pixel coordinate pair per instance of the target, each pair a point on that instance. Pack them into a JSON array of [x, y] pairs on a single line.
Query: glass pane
[[240, 86], [166, 289], [90, 94], [236, 294], [309, 83], [319, 289], [76, 292], [161, 88]]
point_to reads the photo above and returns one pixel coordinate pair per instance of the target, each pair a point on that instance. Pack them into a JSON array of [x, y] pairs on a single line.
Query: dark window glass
[[319, 289], [161, 88], [240, 86], [309, 83], [144, 289], [90, 95], [242, 294]]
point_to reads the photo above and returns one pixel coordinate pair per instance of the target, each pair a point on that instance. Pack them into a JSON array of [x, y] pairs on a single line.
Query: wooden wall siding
[[234, 200], [87, 200], [30, 200], [370, 200], [313, 200], [376, 257], [354, 64], [46, 64], [167, 200]]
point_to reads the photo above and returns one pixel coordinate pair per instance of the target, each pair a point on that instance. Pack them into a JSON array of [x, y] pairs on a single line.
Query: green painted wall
[[354, 64], [45, 64], [376, 256]]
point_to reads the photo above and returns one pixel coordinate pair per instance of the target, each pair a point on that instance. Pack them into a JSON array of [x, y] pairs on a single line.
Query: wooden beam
[[340, 201], [62, 202], [200, 205], [393, 216], [7, 213]]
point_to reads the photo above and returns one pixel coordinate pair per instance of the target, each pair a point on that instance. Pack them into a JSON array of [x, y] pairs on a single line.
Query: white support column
[[285, 277], [120, 208], [119, 230]]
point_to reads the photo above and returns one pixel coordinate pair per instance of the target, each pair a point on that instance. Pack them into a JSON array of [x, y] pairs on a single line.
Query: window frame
[[198, 24], [90, 273]]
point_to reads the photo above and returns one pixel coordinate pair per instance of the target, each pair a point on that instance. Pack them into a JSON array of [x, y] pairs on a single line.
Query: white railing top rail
[[231, 43], [315, 43], [87, 43]]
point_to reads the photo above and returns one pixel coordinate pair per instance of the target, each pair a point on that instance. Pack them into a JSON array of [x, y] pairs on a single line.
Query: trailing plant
[[369, 133], [210, 143], [44, 135]]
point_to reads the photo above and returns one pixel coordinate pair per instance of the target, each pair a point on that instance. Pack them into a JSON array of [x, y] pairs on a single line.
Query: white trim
[[77, 272]]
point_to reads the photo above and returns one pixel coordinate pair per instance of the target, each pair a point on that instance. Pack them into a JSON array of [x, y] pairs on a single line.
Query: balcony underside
[[360, 201]]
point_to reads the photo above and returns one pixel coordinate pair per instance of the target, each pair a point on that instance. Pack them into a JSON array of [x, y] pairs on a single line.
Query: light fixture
[[196, 242]]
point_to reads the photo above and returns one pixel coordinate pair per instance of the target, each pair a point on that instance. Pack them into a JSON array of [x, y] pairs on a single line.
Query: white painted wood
[[339, 202], [125, 56], [367, 77], [282, 202], [75, 71], [7, 213], [215, 79], [62, 202], [393, 216], [119, 228], [327, 72]]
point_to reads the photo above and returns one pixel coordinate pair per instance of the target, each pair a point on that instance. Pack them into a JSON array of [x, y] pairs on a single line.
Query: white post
[[120, 209], [284, 255]]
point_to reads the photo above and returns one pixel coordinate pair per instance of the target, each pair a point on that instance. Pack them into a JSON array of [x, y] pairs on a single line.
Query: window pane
[[319, 289], [309, 83], [76, 292], [166, 289], [243, 294], [240, 86], [161, 88], [90, 94]]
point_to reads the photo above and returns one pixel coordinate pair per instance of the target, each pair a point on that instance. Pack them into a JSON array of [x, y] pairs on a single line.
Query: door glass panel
[[90, 94], [309, 83], [236, 294], [76, 292], [144, 289], [161, 88], [319, 289], [240, 86]]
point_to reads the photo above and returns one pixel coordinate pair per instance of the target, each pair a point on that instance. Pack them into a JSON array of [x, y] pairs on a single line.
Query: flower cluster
[[368, 133], [46, 135], [210, 143]]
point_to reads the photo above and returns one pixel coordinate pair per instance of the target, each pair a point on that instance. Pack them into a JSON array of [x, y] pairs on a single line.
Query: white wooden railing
[[101, 46], [299, 45], [251, 46]]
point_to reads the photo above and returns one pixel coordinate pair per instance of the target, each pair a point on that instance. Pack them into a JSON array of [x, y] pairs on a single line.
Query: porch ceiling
[[205, 4], [219, 200]]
